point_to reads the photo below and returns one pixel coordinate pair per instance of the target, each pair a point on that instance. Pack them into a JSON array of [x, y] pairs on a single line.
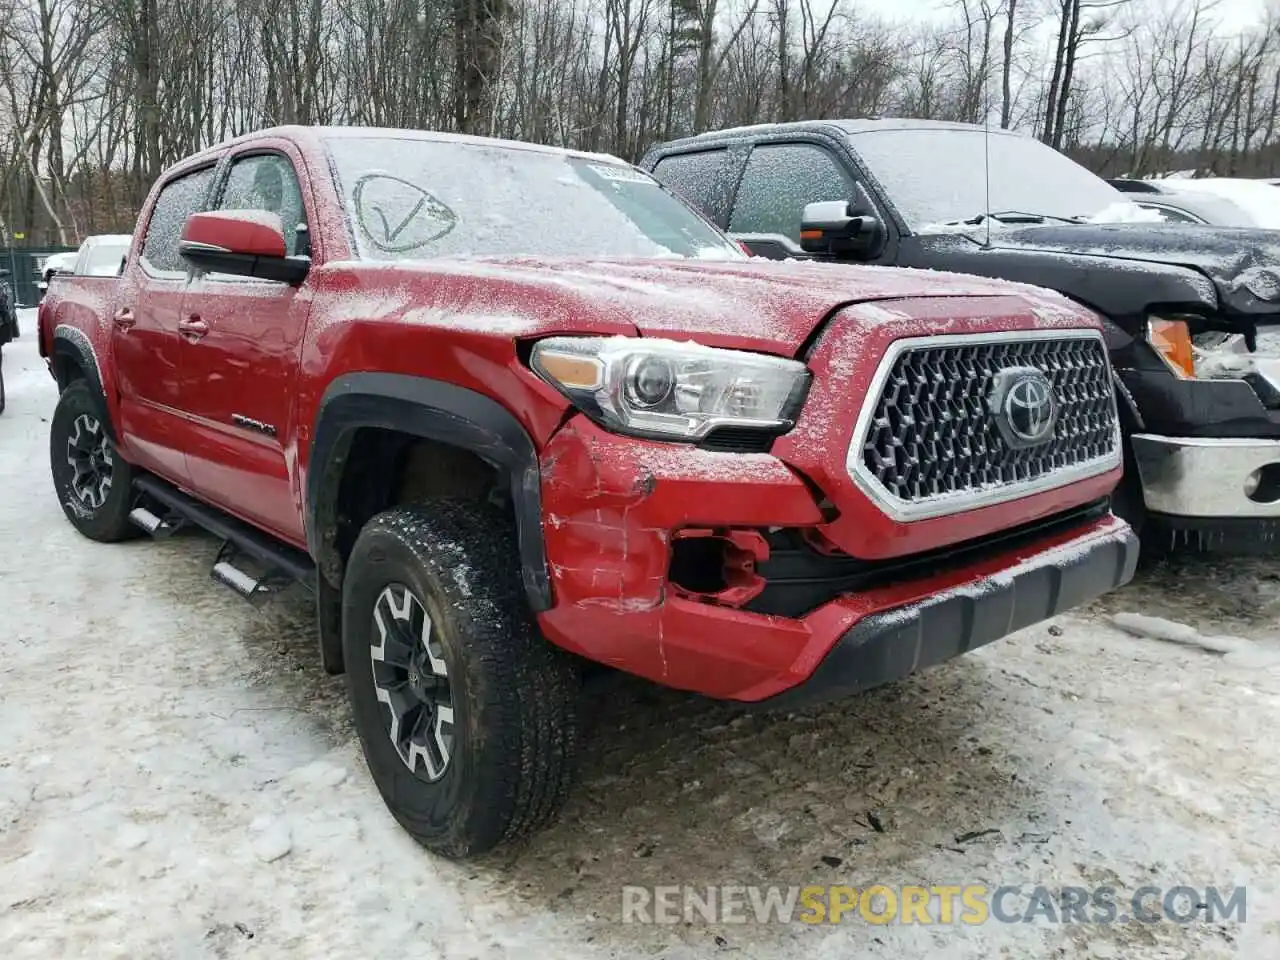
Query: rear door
[[145, 341], [240, 353]]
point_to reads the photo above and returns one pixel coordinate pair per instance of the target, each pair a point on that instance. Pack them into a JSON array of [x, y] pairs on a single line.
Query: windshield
[[415, 198], [937, 177]]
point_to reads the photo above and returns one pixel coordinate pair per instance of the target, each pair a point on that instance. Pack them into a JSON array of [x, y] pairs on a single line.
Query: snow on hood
[[1240, 261], [1122, 211], [1125, 211], [761, 304]]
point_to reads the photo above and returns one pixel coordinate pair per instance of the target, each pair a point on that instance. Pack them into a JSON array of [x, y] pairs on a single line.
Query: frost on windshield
[[396, 216], [940, 177], [414, 198]]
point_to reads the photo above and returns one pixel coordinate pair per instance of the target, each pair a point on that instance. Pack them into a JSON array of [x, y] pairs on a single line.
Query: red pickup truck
[[505, 407]]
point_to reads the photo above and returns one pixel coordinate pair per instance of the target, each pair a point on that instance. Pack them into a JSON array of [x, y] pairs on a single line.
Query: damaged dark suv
[[1184, 304]]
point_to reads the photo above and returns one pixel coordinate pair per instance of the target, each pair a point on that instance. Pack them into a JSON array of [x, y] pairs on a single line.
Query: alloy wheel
[[89, 454], [411, 680]]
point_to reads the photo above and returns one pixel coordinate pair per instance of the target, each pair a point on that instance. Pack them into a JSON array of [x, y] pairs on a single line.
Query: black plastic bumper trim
[[888, 646]]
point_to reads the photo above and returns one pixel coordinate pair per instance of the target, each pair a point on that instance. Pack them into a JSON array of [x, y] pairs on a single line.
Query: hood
[[1243, 263], [759, 304]]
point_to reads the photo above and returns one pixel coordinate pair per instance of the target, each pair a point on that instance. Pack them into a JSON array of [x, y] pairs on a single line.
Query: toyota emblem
[[1025, 407]]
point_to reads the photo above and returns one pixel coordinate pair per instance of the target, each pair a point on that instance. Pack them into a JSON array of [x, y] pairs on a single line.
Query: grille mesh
[[933, 433]]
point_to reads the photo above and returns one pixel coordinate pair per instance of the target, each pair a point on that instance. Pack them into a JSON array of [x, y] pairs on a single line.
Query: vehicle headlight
[[1211, 355], [669, 390]]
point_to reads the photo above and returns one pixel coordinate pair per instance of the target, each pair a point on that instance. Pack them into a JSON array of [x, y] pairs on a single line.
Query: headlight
[[670, 390], [1172, 340], [1211, 355]]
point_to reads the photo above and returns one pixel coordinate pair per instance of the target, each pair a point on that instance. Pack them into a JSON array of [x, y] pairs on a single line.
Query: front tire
[[467, 716], [94, 484]]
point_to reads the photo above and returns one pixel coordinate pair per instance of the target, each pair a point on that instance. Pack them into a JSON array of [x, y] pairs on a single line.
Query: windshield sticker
[[622, 174], [397, 215]]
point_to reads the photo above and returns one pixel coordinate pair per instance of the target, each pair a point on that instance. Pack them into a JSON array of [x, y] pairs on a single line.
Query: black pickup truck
[[1183, 304]]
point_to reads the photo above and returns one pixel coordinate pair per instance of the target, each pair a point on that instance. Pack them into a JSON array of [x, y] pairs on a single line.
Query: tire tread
[[527, 688]]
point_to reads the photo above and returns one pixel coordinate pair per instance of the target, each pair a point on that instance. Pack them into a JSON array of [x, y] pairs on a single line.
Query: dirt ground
[[178, 778]]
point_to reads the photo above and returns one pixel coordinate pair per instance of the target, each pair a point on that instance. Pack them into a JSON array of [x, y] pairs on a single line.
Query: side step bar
[[235, 578], [281, 561], [158, 527]]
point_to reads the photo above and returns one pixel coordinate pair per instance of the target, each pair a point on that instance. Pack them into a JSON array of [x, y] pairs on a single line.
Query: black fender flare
[[433, 410], [71, 344]]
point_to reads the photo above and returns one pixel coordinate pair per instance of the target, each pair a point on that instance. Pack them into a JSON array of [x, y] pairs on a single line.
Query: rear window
[[701, 178], [410, 199]]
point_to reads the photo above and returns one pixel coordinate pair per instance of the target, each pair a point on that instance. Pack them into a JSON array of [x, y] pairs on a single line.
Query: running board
[[158, 527], [235, 570], [243, 546], [235, 578]]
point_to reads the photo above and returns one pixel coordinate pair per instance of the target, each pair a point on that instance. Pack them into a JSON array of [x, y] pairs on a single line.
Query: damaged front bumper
[[1207, 455], [667, 561]]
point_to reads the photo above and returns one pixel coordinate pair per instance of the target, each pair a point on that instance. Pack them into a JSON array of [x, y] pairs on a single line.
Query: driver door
[[779, 180]]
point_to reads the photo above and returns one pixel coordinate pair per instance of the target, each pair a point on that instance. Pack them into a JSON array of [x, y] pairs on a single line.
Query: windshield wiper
[[1018, 216]]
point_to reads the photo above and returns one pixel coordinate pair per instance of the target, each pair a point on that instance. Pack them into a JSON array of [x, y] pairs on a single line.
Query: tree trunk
[[1006, 87]]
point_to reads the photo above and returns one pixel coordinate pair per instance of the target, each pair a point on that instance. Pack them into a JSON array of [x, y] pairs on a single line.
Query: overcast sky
[[1233, 14]]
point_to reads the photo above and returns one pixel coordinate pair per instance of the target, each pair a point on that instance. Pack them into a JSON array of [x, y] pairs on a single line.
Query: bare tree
[[98, 96]]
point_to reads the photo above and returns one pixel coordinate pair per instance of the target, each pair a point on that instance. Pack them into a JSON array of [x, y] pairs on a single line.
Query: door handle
[[192, 327], [124, 318]]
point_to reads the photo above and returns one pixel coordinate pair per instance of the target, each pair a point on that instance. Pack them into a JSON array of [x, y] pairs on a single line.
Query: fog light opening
[[717, 565], [1263, 485]]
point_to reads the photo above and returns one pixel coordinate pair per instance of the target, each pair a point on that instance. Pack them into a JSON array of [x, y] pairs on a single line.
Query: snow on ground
[[178, 778]]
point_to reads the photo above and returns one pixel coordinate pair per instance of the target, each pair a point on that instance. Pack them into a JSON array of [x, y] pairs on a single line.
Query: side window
[[266, 181], [700, 179], [178, 200], [779, 180]]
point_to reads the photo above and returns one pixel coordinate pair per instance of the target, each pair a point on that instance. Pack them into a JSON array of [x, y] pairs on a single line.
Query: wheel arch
[[431, 410], [72, 357]]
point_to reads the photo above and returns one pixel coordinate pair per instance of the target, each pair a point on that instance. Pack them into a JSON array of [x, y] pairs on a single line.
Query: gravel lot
[[179, 779]]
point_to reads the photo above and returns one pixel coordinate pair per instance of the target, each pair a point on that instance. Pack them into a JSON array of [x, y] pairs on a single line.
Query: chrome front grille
[[941, 435]]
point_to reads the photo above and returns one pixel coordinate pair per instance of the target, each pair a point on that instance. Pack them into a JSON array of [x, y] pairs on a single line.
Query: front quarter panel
[[400, 320]]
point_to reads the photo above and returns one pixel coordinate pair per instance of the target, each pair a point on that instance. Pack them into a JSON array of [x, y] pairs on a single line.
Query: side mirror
[[831, 228], [246, 243]]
